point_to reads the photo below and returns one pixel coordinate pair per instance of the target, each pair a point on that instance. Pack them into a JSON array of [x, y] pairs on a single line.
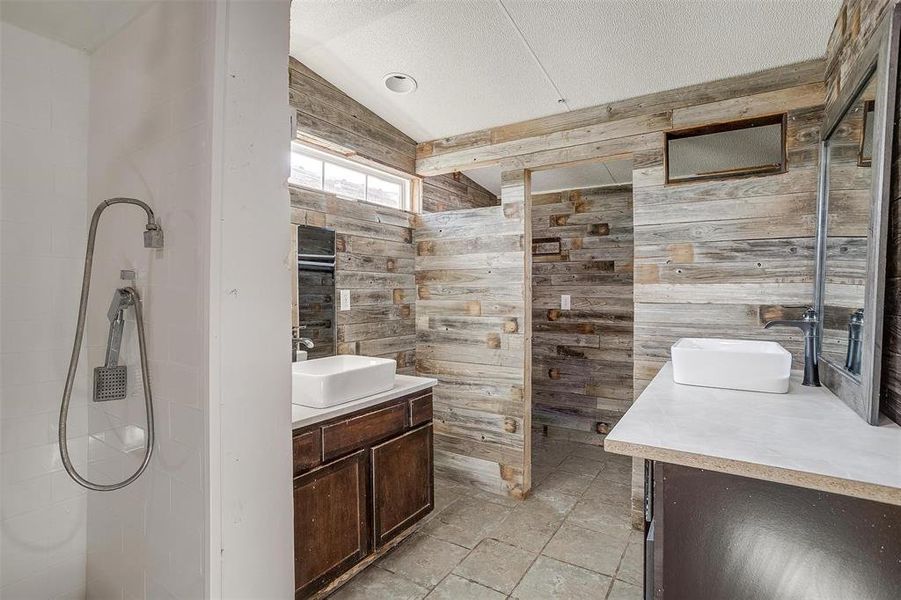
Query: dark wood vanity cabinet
[[719, 536], [360, 481]]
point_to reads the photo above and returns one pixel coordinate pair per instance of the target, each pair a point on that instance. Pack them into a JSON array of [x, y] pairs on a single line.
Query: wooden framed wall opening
[[582, 305]]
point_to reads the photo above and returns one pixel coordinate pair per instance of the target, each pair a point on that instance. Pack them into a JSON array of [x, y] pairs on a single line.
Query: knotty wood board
[[473, 335], [582, 357]]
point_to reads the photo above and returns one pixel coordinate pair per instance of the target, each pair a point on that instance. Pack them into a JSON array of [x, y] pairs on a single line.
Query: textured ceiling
[[481, 63], [82, 24]]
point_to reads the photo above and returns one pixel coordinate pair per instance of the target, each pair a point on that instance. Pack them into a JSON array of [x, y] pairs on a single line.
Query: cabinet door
[[402, 476], [331, 521]]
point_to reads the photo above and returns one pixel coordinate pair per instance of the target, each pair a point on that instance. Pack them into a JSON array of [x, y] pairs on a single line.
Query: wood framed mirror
[[852, 224]]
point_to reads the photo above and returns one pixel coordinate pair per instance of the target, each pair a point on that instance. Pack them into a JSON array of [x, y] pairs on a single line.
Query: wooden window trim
[[780, 119]]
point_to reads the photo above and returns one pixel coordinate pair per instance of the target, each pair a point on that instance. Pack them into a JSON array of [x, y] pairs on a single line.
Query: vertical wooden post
[[516, 194]]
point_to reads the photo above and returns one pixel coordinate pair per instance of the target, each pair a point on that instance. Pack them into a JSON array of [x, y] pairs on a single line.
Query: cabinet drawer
[[344, 436], [307, 451], [420, 410]]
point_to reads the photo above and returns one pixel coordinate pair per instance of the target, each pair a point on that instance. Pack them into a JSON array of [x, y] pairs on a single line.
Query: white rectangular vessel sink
[[732, 364], [325, 382]]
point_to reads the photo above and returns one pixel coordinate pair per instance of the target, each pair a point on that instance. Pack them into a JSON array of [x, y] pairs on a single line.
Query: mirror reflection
[[314, 314], [849, 200]]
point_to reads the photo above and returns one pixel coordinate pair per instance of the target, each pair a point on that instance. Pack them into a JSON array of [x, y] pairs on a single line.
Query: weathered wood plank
[[744, 85], [744, 107], [591, 134], [454, 191]]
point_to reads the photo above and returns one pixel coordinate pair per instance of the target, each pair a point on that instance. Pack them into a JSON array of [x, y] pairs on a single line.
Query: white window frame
[[406, 187]]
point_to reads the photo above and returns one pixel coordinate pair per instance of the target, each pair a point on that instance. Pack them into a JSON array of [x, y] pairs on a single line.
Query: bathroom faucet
[[809, 324], [297, 342]]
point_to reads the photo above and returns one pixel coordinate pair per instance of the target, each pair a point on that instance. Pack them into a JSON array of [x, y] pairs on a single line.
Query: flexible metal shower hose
[[76, 350]]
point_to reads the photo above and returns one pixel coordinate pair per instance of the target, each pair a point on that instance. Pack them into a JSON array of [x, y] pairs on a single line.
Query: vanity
[[362, 436], [752, 495], [363, 477]]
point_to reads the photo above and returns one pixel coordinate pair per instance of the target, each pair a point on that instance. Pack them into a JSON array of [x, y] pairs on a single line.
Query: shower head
[[153, 235]]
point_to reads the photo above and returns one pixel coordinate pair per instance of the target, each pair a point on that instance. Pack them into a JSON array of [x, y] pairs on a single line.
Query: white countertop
[[807, 437], [302, 416]]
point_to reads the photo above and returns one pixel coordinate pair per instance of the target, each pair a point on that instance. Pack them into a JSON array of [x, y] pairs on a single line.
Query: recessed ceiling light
[[400, 83]]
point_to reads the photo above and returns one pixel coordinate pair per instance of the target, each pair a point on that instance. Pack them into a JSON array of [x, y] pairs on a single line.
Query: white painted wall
[[43, 163], [150, 139], [250, 307]]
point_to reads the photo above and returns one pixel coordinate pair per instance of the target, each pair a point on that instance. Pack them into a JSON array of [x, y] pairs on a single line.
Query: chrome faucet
[[809, 324], [297, 342]]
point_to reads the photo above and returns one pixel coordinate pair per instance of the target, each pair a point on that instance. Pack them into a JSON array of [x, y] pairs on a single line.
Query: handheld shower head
[[153, 236], [121, 300]]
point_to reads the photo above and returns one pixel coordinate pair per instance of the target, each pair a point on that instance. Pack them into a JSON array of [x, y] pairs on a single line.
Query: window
[[322, 171], [748, 147], [306, 170], [345, 182]]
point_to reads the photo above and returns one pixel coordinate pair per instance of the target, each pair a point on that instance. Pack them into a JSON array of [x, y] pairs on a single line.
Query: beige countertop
[[302, 416], [807, 437]]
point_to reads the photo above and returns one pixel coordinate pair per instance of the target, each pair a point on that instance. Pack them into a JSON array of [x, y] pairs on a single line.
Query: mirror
[[314, 310], [848, 219], [852, 225]]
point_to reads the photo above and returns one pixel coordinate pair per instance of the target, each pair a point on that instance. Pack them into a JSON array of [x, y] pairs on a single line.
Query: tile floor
[[571, 539]]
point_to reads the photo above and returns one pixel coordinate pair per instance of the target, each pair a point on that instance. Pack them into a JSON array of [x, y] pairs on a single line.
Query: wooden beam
[[535, 143]]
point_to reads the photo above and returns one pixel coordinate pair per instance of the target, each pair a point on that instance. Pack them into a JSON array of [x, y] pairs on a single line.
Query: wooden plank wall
[[454, 191], [375, 262], [854, 27], [472, 334], [715, 258], [328, 116], [582, 358], [719, 258]]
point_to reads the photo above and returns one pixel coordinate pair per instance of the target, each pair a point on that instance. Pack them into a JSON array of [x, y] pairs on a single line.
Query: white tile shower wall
[[150, 139], [43, 199]]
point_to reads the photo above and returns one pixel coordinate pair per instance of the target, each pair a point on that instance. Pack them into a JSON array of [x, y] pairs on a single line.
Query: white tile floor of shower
[[571, 539]]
